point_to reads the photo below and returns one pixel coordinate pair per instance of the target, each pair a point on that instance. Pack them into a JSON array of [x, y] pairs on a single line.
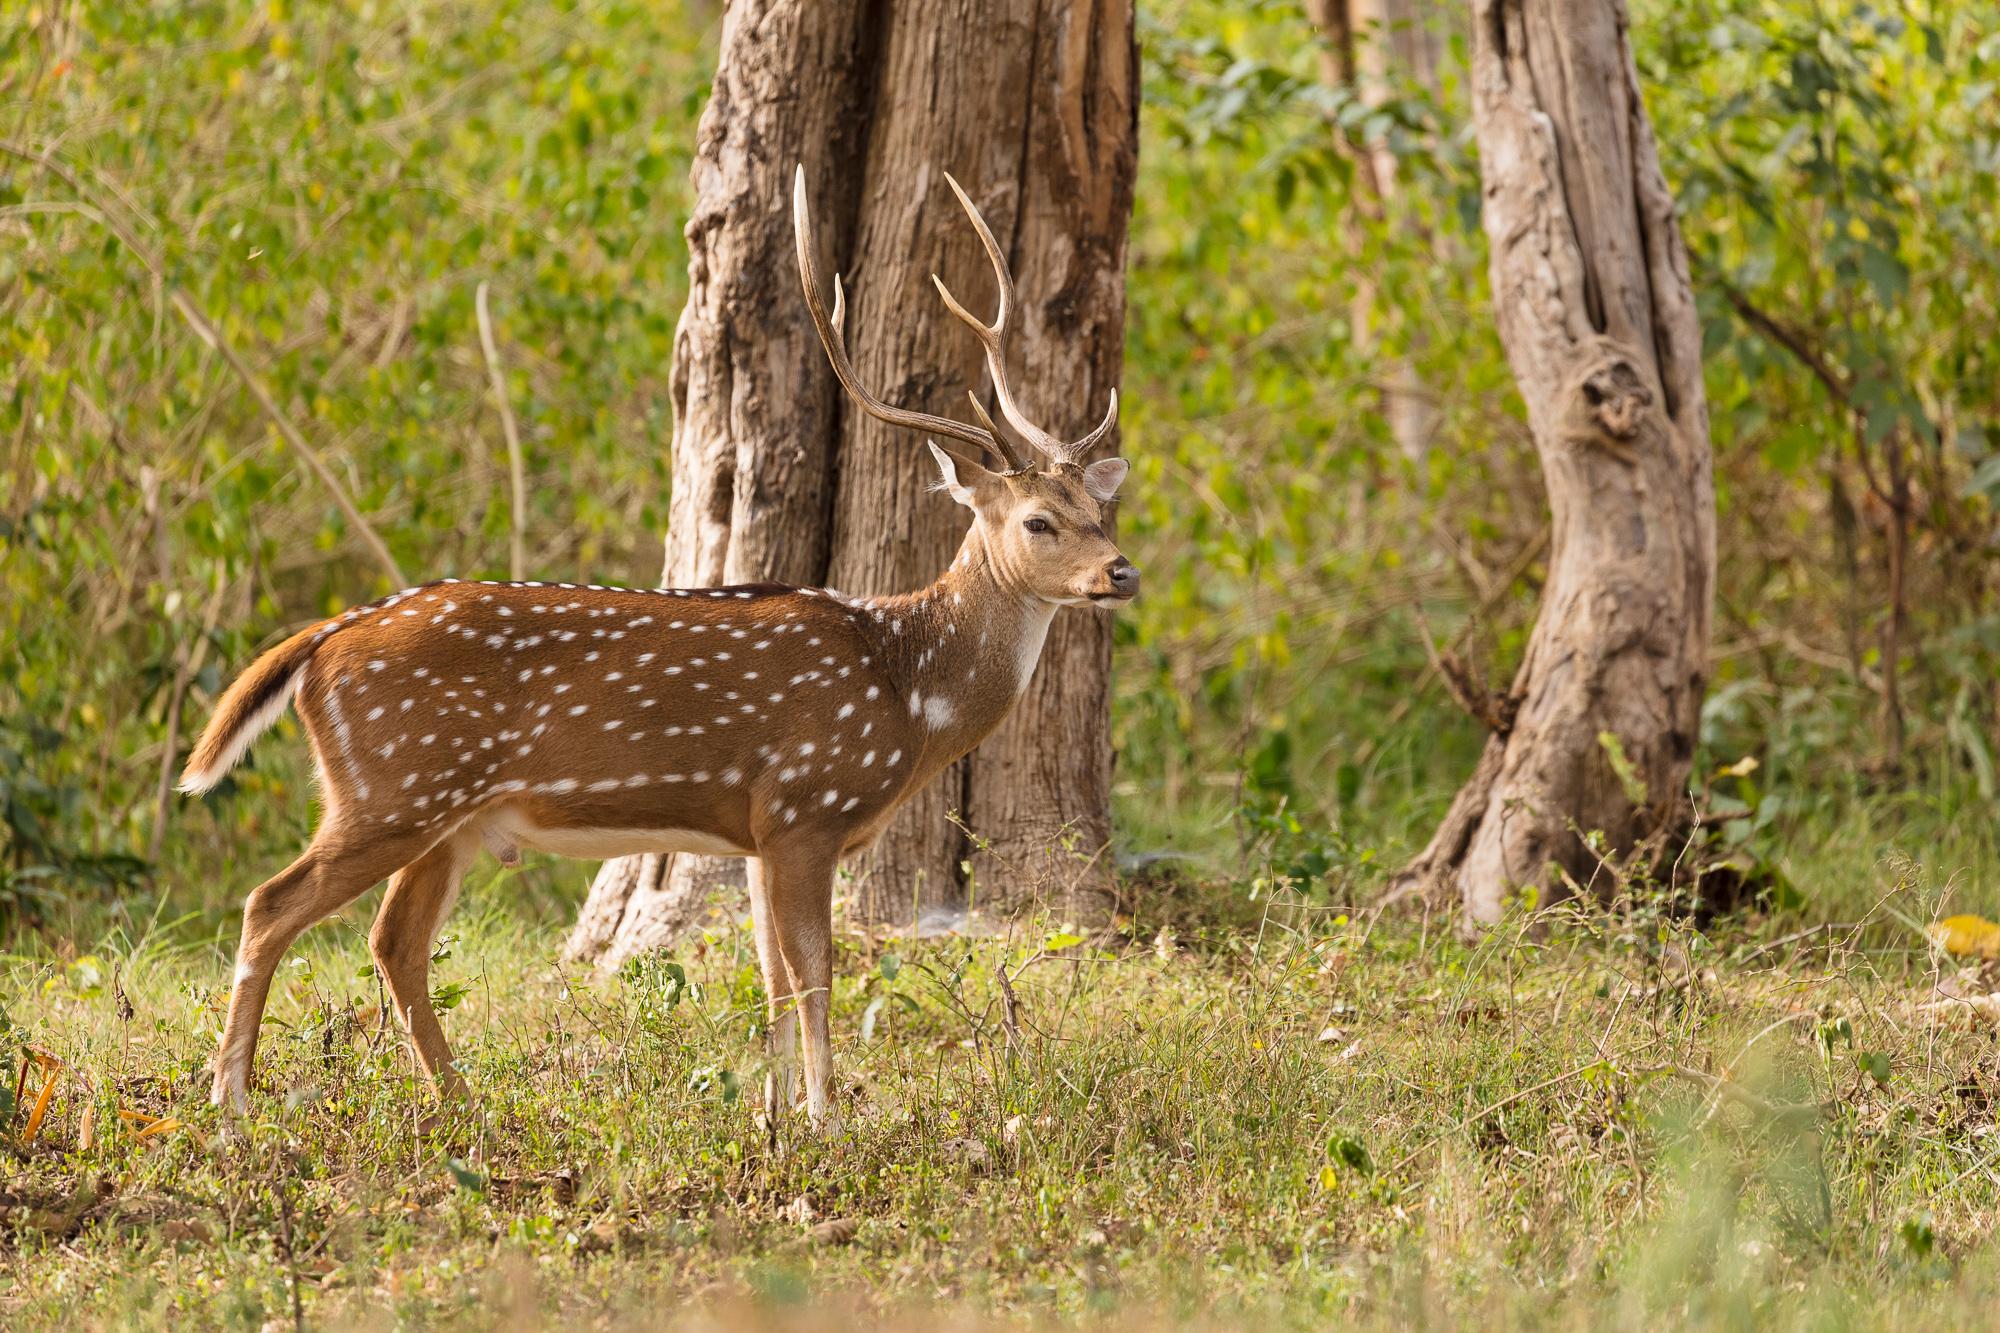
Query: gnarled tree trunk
[[1591, 291], [1032, 104]]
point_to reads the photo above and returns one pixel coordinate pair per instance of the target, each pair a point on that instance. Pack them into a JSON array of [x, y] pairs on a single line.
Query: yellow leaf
[[1965, 936], [54, 1068], [1329, 1179]]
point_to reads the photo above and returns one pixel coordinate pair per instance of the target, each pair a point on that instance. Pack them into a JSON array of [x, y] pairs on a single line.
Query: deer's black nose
[[1124, 576]]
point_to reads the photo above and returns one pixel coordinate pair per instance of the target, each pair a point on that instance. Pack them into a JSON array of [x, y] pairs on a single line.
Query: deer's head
[[1041, 515]]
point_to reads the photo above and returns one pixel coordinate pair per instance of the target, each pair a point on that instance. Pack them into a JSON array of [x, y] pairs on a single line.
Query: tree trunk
[[755, 412], [1056, 183], [1591, 292], [1041, 784], [774, 476], [1368, 47]]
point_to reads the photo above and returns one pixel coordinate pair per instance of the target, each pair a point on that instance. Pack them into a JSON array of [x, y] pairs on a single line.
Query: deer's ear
[[1103, 478], [960, 479]]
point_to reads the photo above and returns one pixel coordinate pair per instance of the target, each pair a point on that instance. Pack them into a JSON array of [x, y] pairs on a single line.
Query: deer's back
[[586, 717]]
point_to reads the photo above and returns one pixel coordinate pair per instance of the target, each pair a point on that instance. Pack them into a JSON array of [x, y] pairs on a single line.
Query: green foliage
[[1834, 171], [39, 829], [1833, 167], [329, 184]]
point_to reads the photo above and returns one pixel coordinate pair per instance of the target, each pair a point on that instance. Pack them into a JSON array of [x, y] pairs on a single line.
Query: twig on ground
[[1721, 1089]]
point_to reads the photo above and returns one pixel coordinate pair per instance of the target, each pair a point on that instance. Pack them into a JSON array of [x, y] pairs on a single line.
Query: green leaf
[[1885, 273], [1985, 479], [1623, 767], [467, 1178], [449, 996], [1350, 1152]]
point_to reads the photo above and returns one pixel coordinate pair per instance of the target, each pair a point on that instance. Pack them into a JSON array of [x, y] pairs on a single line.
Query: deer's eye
[[1036, 525]]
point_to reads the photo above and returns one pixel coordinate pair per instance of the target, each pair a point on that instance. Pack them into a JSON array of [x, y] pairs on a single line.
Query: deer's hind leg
[[781, 1085], [333, 871], [405, 931]]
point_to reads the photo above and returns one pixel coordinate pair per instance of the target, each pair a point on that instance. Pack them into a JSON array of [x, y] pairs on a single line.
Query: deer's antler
[[993, 337], [830, 335]]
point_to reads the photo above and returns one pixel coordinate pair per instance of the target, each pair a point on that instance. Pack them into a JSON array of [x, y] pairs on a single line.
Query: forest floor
[[1252, 1115]]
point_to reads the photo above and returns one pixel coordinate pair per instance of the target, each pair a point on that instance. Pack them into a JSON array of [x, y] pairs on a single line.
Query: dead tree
[[1591, 292]]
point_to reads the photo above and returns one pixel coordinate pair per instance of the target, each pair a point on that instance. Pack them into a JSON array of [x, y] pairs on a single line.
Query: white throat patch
[[1028, 649]]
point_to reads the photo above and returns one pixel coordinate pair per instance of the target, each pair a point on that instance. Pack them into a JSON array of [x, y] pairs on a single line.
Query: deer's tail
[[253, 701]]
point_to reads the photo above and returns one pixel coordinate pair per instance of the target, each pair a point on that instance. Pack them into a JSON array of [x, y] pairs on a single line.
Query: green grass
[[1246, 1114]]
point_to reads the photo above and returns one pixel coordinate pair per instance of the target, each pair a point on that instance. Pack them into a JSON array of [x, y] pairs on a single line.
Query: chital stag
[[782, 724]]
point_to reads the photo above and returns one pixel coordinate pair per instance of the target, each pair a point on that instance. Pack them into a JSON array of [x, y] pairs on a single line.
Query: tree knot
[[1606, 403], [1614, 396]]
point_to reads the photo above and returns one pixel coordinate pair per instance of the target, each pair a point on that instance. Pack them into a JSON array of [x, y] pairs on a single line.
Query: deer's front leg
[[798, 892], [781, 1084]]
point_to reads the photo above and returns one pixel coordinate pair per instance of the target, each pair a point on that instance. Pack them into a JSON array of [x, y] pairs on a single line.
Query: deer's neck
[[961, 650]]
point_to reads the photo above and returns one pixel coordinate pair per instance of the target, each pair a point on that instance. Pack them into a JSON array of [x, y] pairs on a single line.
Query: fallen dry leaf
[[834, 1231], [176, 1229], [147, 1126], [54, 1068], [1965, 936], [972, 1151]]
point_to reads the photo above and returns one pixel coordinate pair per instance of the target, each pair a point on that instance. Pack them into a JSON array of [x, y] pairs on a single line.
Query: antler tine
[[979, 411], [831, 338], [993, 337], [1077, 452]]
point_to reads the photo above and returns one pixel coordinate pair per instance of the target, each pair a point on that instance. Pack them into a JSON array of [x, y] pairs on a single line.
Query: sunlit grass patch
[[1584, 1117]]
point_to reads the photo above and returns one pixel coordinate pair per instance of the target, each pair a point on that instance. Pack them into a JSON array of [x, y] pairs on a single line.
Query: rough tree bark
[[1043, 112], [1591, 292], [1033, 106]]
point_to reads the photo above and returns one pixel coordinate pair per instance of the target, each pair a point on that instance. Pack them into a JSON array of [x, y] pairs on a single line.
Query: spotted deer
[[777, 723]]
